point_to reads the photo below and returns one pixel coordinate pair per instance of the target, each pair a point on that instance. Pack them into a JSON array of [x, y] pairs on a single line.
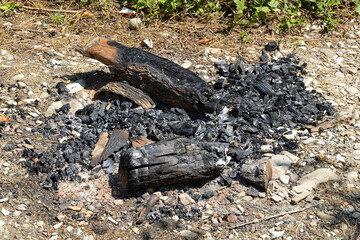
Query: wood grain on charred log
[[129, 92], [169, 162], [164, 80]]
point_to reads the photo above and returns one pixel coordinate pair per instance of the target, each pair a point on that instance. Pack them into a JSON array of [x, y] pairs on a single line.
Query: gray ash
[[257, 102]]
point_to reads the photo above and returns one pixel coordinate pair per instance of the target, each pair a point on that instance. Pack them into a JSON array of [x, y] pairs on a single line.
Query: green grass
[[284, 14]]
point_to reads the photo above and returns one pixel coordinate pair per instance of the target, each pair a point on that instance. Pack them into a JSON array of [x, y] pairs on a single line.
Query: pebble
[[18, 77], [185, 199], [2, 223], [148, 43], [60, 217], [310, 140], [276, 234], [356, 215], [88, 237], [74, 87], [232, 218], [325, 216], [266, 148], [135, 23], [285, 179], [4, 200], [188, 235], [21, 84], [58, 225], [276, 198], [69, 228], [113, 220], [21, 207], [186, 64], [118, 202], [313, 223], [5, 212]]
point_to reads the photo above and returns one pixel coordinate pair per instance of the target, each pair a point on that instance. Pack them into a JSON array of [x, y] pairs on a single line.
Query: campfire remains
[[245, 114]]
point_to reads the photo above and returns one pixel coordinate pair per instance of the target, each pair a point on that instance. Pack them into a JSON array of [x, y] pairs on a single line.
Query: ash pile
[[256, 105]]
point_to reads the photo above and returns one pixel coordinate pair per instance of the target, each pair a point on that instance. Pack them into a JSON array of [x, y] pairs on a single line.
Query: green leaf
[[357, 9], [240, 6]]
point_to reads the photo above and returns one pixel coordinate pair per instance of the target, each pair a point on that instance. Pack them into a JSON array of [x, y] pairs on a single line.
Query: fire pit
[[194, 131]]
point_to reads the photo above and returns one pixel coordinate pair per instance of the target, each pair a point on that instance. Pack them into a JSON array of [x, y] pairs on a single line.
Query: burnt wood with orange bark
[[162, 79]]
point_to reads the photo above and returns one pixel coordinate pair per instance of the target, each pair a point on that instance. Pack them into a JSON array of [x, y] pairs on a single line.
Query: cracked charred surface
[[164, 80]]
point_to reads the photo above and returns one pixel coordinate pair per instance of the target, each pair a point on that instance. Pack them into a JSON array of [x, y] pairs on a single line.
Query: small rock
[[266, 148], [276, 198], [356, 215], [58, 225], [40, 223], [325, 216], [135, 23], [74, 87], [113, 220], [276, 234], [69, 228], [186, 64], [232, 218], [339, 75], [21, 207], [300, 197], [148, 43], [214, 51], [175, 218], [118, 202], [280, 165], [17, 213], [285, 179], [262, 195], [21, 84], [311, 180], [60, 217], [310, 140], [185, 199], [4, 200], [2, 223], [5, 212], [207, 214], [252, 192], [88, 237], [18, 77], [188, 235], [328, 52], [313, 223]]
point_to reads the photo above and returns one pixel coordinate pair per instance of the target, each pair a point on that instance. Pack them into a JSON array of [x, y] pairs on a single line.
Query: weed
[[58, 18]]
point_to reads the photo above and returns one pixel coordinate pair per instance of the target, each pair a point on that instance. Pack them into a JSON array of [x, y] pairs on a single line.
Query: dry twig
[[271, 217]]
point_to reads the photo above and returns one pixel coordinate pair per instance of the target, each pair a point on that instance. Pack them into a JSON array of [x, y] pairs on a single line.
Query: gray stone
[[311, 180], [21, 84], [188, 235], [58, 225], [356, 215], [266, 148], [207, 214]]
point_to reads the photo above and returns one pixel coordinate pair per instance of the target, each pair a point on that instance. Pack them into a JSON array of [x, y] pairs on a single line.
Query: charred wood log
[[257, 173], [169, 162], [164, 80], [118, 139], [129, 92]]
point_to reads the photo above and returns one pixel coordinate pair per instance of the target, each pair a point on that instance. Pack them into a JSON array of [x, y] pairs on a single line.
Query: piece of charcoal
[[264, 57], [186, 129], [223, 67], [272, 46]]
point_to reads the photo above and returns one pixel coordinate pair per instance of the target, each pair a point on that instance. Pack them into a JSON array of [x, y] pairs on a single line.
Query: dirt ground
[[34, 46]]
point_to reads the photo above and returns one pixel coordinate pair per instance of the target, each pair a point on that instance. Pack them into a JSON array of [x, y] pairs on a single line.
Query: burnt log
[[162, 79], [118, 139], [258, 173], [170, 162], [127, 91]]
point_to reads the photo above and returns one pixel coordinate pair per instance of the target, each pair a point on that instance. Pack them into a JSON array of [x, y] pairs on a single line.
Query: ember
[[256, 104]]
